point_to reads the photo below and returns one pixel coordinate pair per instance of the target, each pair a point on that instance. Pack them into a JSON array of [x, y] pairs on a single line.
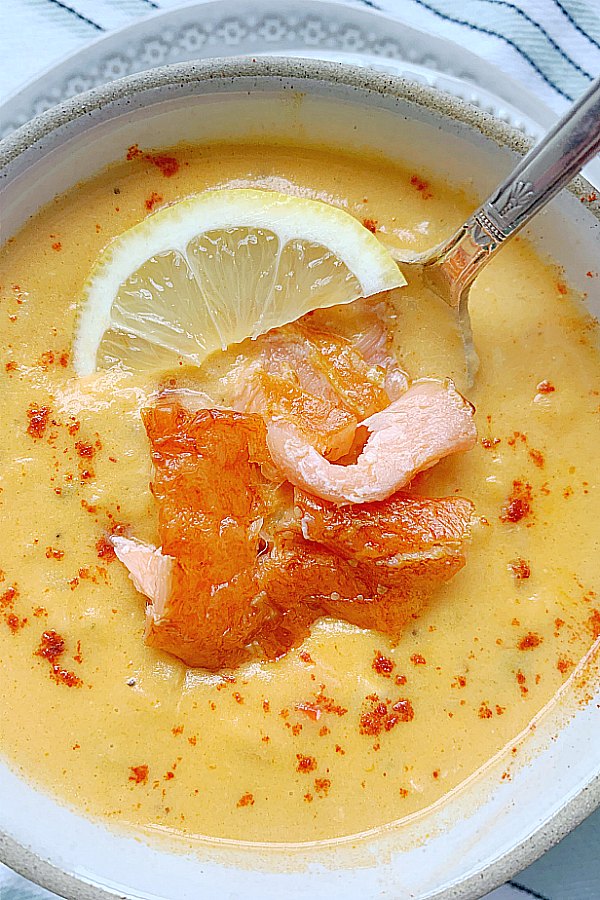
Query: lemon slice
[[219, 267]]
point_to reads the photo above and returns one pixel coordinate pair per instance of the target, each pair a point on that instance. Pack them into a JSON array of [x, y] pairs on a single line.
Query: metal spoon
[[450, 268]]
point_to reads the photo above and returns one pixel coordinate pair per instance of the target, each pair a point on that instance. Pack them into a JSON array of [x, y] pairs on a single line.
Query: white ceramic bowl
[[484, 831]]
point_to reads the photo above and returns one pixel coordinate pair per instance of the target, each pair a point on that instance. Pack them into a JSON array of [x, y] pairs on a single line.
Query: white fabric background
[[551, 46]]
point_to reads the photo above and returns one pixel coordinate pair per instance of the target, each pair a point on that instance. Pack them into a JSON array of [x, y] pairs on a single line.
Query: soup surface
[[278, 751]]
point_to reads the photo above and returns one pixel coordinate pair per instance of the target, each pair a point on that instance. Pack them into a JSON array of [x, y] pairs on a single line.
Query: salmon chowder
[[305, 585]]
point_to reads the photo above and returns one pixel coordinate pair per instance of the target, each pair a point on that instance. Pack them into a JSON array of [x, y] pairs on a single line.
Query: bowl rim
[[575, 809]]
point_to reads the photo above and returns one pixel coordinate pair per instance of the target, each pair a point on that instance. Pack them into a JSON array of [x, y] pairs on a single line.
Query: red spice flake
[[400, 679], [57, 246], [484, 711], [323, 731], [594, 623], [339, 750], [38, 420], [86, 451], [8, 597], [383, 665], [436, 773], [568, 492], [522, 682], [564, 664], [305, 763], [52, 553], [520, 568], [379, 715], [52, 647], [139, 774], [151, 201], [328, 705], [500, 710], [265, 739], [167, 165], [11, 366], [459, 681], [105, 550], [530, 641], [562, 288], [418, 660], [237, 697], [46, 359], [321, 704], [296, 729], [266, 706], [489, 443], [169, 776], [322, 786], [545, 387], [538, 458], [422, 186], [308, 797], [519, 503], [63, 359], [517, 436], [311, 709], [40, 611], [371, 224], [306, 658], [74, 427], [177, 729], [246, 800], [14, 623], [193, 740], [284, 713], [403, 792], [78, 656]]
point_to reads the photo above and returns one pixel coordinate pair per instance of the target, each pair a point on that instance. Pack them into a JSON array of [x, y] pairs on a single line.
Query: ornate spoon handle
[[547, 168]]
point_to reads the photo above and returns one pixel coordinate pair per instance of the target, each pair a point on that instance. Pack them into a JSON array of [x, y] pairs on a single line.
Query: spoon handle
[[539, 176], [546, 169]]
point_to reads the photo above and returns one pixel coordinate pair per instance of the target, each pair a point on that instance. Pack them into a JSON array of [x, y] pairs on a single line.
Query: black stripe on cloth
[[371, 5], [576, 24], [542, 30], [527, 891], [502, 37], [79, 15], [151, 3]]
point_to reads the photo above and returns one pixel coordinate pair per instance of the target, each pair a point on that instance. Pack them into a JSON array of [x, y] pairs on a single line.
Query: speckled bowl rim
[[574, 810]]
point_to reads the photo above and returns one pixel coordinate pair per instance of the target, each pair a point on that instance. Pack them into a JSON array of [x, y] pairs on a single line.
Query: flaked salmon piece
[[314, 378], [402, 527], [366, 325], [325, 423], [366, 594], [430, 421], [212, 498], [149, 568], [246, 564]]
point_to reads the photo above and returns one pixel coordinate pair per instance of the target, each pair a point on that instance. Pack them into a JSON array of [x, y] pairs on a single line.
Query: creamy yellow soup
[[130, 734]]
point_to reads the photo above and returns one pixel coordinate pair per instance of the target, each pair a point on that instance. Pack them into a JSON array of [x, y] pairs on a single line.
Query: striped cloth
[[552, 47]]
